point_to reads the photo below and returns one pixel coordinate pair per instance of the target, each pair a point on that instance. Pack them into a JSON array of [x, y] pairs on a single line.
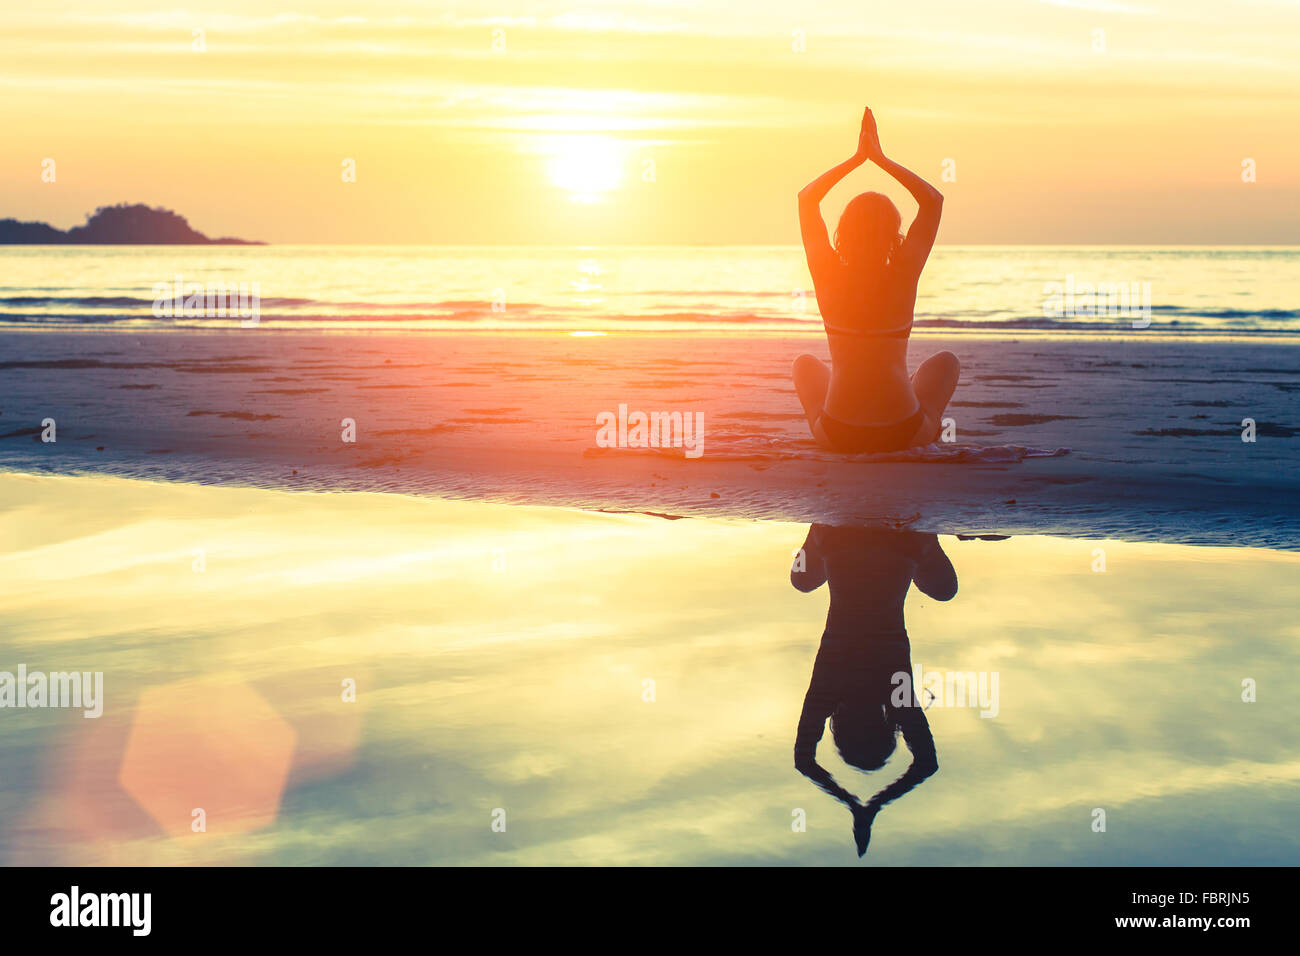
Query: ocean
[[1183, 290]]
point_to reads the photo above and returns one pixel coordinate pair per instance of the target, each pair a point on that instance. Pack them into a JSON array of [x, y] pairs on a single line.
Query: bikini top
[[900, 333]]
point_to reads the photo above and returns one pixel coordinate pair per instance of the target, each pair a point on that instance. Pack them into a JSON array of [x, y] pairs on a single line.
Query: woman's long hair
[[868, 235]]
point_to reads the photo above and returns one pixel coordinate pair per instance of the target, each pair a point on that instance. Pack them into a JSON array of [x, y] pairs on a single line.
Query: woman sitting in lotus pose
[[866, 291]]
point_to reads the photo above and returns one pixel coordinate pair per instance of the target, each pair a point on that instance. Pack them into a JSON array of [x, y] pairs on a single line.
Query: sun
[[587, 167]]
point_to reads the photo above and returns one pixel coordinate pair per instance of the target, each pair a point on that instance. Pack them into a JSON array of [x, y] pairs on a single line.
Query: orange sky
[[548, 136]]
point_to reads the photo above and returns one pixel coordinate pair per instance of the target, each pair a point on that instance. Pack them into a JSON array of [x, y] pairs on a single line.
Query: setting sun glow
[[644, 121], [585, 167]]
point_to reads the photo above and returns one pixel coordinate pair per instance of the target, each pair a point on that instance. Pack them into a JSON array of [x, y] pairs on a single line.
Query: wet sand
[[1153, 426]]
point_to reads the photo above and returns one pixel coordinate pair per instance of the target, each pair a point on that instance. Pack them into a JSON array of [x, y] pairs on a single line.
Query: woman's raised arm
[[816, 242], [920, 235]]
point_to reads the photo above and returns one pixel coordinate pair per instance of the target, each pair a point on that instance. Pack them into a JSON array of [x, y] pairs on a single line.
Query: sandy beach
[[1153, 426]]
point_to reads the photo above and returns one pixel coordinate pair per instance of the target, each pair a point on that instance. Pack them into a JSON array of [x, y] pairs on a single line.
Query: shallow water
[[619, 689], [1245, 291]]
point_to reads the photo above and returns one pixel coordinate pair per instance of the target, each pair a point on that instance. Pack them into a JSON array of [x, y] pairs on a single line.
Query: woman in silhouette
[[866, 290], [856, 681]]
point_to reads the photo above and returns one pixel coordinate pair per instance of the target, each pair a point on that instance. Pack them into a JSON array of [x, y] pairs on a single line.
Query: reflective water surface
[[356, 678], [1239, 290]]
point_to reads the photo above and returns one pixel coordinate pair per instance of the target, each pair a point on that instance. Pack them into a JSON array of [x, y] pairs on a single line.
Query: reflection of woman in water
[[866, 291], [863, 647]]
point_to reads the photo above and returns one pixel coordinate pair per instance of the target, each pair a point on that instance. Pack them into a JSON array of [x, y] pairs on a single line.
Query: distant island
[[120, 225]]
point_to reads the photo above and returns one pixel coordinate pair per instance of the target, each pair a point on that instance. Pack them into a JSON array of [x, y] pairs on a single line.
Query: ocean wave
[[462, 315], [1200, 312], [119, 301]]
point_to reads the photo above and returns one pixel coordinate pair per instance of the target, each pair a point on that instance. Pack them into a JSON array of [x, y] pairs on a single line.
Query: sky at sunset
[[499, 122]]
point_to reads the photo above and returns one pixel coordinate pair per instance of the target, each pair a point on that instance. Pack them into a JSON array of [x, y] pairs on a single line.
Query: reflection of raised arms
[[925, 762], [817, 709], [808, 574]]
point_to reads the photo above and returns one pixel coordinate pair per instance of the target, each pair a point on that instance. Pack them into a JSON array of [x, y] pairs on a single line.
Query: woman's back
[[868, 319], [868, 573]]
